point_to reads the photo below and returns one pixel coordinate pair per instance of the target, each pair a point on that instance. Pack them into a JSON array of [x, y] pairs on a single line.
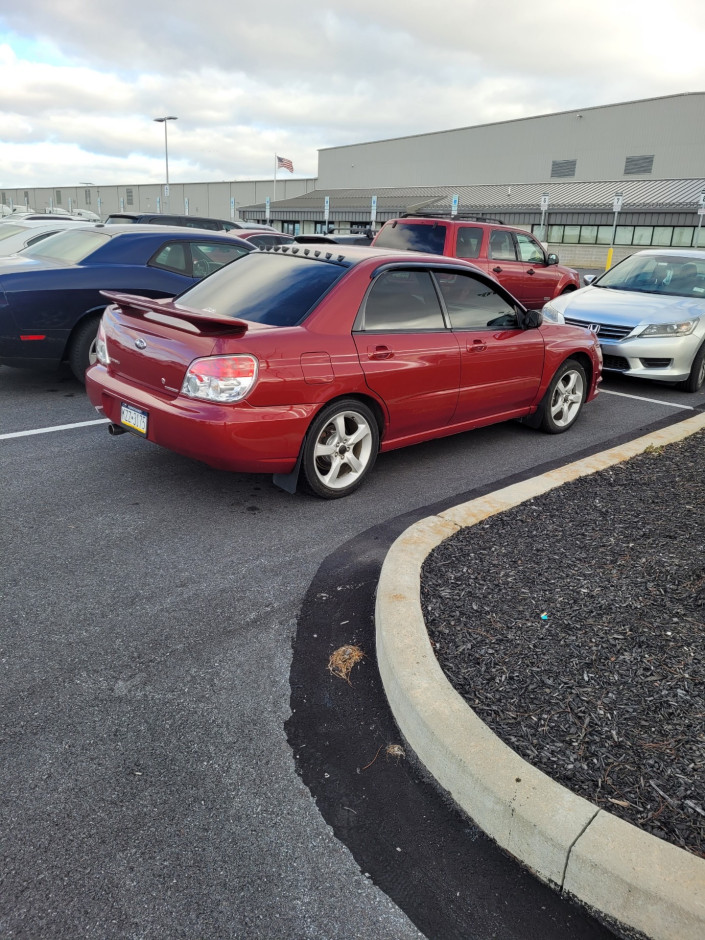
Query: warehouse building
[[560, 175]]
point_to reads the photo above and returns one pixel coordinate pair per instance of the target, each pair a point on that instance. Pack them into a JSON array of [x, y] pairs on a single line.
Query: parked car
[[50, 294], [303, 362], [156, 218], [16, 236], [264, 238], [648, 313], [514, 257]]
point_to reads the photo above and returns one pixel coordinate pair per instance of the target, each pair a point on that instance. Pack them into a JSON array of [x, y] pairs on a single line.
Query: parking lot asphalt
[[150, 605]]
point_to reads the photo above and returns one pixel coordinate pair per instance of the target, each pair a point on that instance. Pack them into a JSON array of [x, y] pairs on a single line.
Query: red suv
[[512, 256]]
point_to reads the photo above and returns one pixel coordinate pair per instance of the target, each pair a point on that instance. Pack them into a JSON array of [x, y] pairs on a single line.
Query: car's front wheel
[[564, 399], [340, 449], [82, 352]]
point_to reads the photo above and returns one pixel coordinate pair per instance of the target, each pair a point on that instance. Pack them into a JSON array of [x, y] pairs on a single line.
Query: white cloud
[[80, 82]]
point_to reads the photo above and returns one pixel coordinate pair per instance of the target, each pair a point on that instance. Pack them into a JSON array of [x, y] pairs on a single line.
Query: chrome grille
[[606, 331]]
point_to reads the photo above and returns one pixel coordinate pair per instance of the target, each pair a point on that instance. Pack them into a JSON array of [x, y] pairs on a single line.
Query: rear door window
[[402, 300]]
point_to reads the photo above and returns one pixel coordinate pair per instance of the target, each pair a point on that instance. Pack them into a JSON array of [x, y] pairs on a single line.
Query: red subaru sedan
[[305, 363]]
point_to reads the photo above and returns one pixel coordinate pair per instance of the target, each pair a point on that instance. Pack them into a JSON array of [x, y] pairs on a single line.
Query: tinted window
[[502, 246], [469, 242], [474, 305], [208, 257], [69, 246], [265, 288], [403, 300], [173, 257], [413, 236]]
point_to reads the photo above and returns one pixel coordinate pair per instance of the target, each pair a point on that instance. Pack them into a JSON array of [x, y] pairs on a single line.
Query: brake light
[[220, 378], [101, 346]]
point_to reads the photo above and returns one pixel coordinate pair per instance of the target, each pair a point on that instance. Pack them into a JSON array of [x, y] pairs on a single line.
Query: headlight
[[220, 378], [552, 315], [671, 329]]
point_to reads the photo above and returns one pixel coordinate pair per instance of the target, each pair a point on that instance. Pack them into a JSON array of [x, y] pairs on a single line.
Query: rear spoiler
[[166, 311]]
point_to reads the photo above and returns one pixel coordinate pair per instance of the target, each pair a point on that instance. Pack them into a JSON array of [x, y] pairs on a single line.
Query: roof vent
[[636, 166], [563, 168]]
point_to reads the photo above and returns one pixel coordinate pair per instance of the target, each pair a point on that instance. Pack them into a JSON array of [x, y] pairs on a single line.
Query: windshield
[[678, 275], [413, 236], [8, 228], [265, 288], [70, 246]]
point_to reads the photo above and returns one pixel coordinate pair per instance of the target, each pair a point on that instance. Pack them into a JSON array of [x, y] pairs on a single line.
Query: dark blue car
[[50, 300]]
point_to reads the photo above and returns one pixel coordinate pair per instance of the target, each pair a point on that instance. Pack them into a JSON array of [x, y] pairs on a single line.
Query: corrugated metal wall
[[672, 129]]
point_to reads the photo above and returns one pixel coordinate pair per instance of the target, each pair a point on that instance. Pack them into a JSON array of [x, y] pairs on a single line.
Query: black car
[[50, 293], [155, 218]]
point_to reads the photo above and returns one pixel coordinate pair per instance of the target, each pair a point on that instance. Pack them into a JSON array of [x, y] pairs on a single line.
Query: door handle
[[497, 270], [531, 271], [379, 352], [477, 345]]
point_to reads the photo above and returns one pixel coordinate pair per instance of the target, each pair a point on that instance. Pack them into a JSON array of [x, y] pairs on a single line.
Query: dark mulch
[[573, 625]]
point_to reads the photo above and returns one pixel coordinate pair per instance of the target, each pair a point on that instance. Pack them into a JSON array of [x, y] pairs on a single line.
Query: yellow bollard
[[609, 259]]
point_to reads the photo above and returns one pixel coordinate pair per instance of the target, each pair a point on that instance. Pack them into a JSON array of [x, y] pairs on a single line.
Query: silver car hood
[[627, 308]]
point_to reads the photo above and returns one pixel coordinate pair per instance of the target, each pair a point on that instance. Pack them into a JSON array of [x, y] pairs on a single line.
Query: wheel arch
[[96, 311]]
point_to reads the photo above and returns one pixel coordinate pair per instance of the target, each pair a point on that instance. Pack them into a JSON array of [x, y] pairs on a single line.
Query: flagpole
[[274, 193]]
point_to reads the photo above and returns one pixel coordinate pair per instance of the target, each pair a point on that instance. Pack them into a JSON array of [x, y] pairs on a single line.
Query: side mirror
[[552, 259], [589, 278], [529, 319]]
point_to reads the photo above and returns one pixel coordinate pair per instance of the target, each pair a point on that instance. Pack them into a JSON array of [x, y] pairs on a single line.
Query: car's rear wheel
[[564, 399], [340, 449], [695, 380], [82, 352]]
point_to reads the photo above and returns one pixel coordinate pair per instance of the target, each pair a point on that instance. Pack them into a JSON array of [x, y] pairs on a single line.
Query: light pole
[[163, 120]]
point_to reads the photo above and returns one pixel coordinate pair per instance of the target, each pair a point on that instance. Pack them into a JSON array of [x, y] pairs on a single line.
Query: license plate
[[133, 418]]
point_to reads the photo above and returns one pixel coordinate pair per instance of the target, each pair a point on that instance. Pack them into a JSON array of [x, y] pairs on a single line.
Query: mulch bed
[[573, 625]]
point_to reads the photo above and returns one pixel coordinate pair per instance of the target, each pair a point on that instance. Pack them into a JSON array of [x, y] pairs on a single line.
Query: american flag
[[284, 164]]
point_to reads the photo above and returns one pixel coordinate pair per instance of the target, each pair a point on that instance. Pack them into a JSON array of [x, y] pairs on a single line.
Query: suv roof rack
[[446, 214]]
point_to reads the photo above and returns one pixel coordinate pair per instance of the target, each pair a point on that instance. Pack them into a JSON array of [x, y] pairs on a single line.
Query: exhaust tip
[[115, 429]]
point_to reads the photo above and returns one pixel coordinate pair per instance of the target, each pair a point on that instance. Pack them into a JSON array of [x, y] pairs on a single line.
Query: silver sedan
[[648, 313]]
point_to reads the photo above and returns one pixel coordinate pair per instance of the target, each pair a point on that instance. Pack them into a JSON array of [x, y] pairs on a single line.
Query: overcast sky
[[80, 81]]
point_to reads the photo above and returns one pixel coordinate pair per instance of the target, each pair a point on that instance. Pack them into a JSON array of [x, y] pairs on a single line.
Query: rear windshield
[[266, 288], [121, 220], [71, 246], [413, 236]]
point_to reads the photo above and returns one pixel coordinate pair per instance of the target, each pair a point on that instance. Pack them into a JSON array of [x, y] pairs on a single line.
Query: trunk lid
[[151, 342]]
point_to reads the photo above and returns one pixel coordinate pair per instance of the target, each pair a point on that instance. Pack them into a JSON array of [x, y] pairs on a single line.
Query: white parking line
[[57, 427], [654, 401]]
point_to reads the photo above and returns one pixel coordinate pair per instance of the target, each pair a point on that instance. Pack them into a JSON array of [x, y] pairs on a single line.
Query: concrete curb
[[633, 878]]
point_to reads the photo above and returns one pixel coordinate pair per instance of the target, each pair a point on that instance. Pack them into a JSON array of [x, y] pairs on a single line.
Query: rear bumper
[[234, 437]]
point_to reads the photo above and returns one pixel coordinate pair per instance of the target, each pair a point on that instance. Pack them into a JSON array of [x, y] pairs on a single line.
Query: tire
[[340, 449], [696, 379], [564, 399], [568, 290], [82, 349]]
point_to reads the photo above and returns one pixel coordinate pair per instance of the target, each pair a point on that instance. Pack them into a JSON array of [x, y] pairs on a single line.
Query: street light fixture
[[163, 120]]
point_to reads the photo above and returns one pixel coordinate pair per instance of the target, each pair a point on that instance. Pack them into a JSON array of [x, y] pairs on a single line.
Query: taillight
[[101, 346], [220, 378]]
